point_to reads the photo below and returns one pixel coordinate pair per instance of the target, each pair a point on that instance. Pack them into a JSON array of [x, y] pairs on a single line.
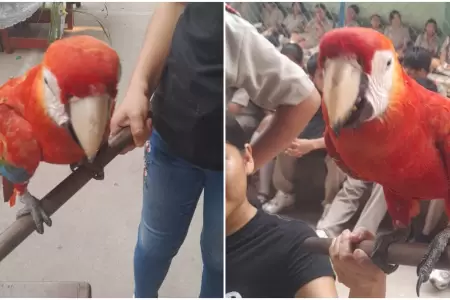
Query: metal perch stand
[[18, 231], [408, 254]]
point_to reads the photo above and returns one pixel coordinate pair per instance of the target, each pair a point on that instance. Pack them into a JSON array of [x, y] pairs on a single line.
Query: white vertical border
[[224, 162]]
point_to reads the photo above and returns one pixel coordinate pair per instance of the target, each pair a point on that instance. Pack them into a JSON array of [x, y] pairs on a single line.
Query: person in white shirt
[[272, 81]]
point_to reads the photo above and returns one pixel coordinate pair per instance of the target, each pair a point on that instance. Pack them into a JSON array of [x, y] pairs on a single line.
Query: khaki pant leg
[[283, 174], [344, 206], [434, 215], [374, 210], [333, 181]]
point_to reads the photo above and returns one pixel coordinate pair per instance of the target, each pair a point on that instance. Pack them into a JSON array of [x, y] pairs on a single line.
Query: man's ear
[[249, 164]]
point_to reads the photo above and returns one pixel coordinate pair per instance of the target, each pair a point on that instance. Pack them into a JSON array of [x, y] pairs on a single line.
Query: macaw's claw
[[380, 250], [33, 207], [435, 250], [97, 172]]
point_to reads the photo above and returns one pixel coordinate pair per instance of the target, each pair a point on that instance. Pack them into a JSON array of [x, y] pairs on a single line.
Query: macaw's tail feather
[[12, 199], [8, 192]]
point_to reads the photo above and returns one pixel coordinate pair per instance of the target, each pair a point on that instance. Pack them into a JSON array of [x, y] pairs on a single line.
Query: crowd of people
[[296, 34], [297, 24]]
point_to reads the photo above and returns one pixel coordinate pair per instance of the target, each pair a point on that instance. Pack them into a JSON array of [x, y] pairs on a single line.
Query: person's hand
[[300, 147], [133, 112], [354, 268], [269, 31]]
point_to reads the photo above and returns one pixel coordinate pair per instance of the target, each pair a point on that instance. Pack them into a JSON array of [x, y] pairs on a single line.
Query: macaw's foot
[[33, 207], [380, 250], [97, 172], [435, 250]]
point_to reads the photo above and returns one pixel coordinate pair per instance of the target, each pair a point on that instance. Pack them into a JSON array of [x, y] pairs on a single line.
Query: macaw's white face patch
[[52, 99], [381, 81]]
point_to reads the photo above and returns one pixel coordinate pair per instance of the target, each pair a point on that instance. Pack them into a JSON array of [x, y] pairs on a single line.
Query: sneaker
[[440, 279], [279, 202], [321, 233], [262, 198]]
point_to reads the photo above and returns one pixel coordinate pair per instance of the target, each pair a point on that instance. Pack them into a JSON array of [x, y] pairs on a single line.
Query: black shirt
[[188, 104], [315, 128], [265, 258], [427, 83]]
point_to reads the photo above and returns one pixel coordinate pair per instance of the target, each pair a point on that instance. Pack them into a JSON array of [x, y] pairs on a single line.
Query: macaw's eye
[[389, 63], [45, 81]]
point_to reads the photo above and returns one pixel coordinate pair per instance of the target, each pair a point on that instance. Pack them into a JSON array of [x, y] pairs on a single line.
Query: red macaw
[[382, 126], [58, 112]]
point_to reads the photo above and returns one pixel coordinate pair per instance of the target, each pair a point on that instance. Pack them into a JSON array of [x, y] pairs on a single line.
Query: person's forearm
[[287, 123], [156, 45], [319, 143], [234, 108], [443, 58], [377, 290]]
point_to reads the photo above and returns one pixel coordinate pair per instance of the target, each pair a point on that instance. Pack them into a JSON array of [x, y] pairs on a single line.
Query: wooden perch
[[408, 254]]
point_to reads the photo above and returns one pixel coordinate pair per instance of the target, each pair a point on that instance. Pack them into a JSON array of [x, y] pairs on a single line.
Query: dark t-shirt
[[265, 258], [427, 83], [188, 104], [315, 127]]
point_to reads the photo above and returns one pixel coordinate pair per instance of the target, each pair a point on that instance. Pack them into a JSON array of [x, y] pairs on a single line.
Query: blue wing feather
[[14, 174]]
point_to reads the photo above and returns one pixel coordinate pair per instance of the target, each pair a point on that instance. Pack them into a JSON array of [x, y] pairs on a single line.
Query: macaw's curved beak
[[345, 85], [89, 118]]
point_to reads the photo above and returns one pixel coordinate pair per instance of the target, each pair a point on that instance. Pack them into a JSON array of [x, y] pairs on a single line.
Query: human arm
[[322, 287], [443, 55], [156, 46], [418, 40], [272, 82], [406, 38], [239, 101], [287, 122], [300, 147], [133, 111], [353, 268], [377, 290], [309, 274], [234, 108]]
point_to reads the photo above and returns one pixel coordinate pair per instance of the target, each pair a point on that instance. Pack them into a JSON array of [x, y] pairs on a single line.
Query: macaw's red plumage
[[58, 112], [384, 127]]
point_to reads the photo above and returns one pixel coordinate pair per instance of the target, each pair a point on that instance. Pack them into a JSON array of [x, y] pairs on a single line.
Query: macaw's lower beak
[[89, 118], [344, 90]]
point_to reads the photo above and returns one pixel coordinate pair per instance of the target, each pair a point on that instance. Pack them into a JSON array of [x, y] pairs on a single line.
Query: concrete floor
[[93, 235]]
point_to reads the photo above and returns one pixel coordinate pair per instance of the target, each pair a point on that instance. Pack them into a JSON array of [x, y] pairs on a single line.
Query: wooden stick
[[408, 254]]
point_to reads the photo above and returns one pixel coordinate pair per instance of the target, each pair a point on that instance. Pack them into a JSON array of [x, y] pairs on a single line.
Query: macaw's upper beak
[[344, 89], [89, 118]]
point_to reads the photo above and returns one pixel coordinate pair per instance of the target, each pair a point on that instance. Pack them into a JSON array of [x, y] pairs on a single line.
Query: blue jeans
[[172, 188]]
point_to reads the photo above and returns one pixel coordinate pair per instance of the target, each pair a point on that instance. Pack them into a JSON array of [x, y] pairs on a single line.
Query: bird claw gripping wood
[[380, 250], [434, 253]]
